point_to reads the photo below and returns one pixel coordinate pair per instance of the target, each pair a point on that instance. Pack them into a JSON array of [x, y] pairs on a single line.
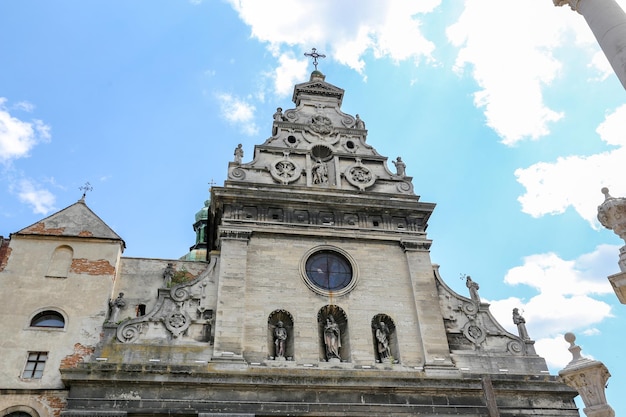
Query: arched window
[[48, 319], [19, 411], [60, 263]]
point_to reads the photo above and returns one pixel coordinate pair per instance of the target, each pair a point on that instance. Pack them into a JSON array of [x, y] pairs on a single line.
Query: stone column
[[588, 377], [612, 215], [431, 329], [608, 23], [231, 294]]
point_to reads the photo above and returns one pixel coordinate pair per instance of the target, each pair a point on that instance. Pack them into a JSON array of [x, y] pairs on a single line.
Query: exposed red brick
[[54, 404], [40, 229], [85, 233], [5, 252], [85, 266], [80, 351]]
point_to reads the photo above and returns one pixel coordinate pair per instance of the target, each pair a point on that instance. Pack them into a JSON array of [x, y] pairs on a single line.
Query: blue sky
[[507, 116]]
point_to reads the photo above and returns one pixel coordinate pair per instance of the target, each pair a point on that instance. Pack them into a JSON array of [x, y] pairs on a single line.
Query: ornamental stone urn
[[612, 215]]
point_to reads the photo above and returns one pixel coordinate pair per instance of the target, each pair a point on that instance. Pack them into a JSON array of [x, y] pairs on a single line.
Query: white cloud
[[17, 137], [238, 112], [41, 200], [512, 62], [24, 106], [349, 28], [290, 71], [564, 300], [555, 351], [573, 181]]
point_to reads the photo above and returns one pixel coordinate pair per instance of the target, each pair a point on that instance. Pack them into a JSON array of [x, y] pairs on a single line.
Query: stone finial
[[589, 378], [612, 215]]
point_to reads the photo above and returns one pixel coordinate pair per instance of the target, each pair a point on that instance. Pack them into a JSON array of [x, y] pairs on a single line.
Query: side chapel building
[[309, 292]]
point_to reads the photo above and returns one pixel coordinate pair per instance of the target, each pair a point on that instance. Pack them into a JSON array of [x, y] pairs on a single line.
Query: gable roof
[[76, 220]]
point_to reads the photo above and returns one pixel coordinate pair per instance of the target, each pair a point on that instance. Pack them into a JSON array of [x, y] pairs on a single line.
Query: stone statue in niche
[[473, 289], [382, 342], [280, 340], [332, 339], [278, 116], [320, 172], [168, 274], [238, 154], [400, 167], [521, 324], [359, 124], [115, 306]]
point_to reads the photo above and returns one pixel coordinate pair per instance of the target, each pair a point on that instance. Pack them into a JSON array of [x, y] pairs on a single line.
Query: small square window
[[34, 365]]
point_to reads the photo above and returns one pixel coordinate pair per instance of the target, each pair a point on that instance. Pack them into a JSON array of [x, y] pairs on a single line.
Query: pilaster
[[430, 325], [231, 291]]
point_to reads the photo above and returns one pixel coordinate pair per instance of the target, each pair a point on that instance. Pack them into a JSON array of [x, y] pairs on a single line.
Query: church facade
[[309, 292]]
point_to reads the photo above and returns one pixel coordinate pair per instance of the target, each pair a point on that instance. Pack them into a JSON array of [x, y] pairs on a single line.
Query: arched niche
[[280, 331], [385, 339], [19, 411], [333, 334], [60, 262]]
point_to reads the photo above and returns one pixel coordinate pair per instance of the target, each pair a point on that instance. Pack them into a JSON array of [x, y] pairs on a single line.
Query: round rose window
[[329, 271]]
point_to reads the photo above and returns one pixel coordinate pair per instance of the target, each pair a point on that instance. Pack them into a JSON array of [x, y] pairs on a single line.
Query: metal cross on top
[[85, 188], [314, 55]]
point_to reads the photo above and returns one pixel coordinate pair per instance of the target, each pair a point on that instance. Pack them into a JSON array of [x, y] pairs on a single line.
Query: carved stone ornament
[[405, 187], [285, 171], [321, 125], [589, 377], [172, 312], [612, 214], [474, 333], [177, 323], [360, 176], [515, 347], [237, 174]]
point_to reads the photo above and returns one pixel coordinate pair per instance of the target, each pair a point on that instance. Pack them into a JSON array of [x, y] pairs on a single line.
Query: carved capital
[[573, 4], [412, 246], [235, 234]]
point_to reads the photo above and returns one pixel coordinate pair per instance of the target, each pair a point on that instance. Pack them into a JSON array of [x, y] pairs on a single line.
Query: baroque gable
[[318, 146]]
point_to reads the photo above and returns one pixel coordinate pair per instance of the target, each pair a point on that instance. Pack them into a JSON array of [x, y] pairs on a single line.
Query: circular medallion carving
[[285, 171], [321, 125], [360, 176], [474, 333], [177, 323], [177, 320]]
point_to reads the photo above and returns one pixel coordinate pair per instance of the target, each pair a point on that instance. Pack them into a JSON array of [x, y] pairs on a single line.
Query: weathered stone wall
[[81, 297], [274, 282]]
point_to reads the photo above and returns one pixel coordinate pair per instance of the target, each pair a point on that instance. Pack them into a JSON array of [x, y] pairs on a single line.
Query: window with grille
[[34, 365]]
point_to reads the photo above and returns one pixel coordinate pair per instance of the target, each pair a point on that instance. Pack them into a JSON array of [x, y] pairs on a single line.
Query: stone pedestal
[[618, 281], [589, 378]]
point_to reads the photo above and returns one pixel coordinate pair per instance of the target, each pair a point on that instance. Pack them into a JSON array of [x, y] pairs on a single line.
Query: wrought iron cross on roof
[[85, 188], [314, 55]]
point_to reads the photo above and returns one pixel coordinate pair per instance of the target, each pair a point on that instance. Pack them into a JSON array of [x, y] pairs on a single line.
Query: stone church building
[[309, 292]]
